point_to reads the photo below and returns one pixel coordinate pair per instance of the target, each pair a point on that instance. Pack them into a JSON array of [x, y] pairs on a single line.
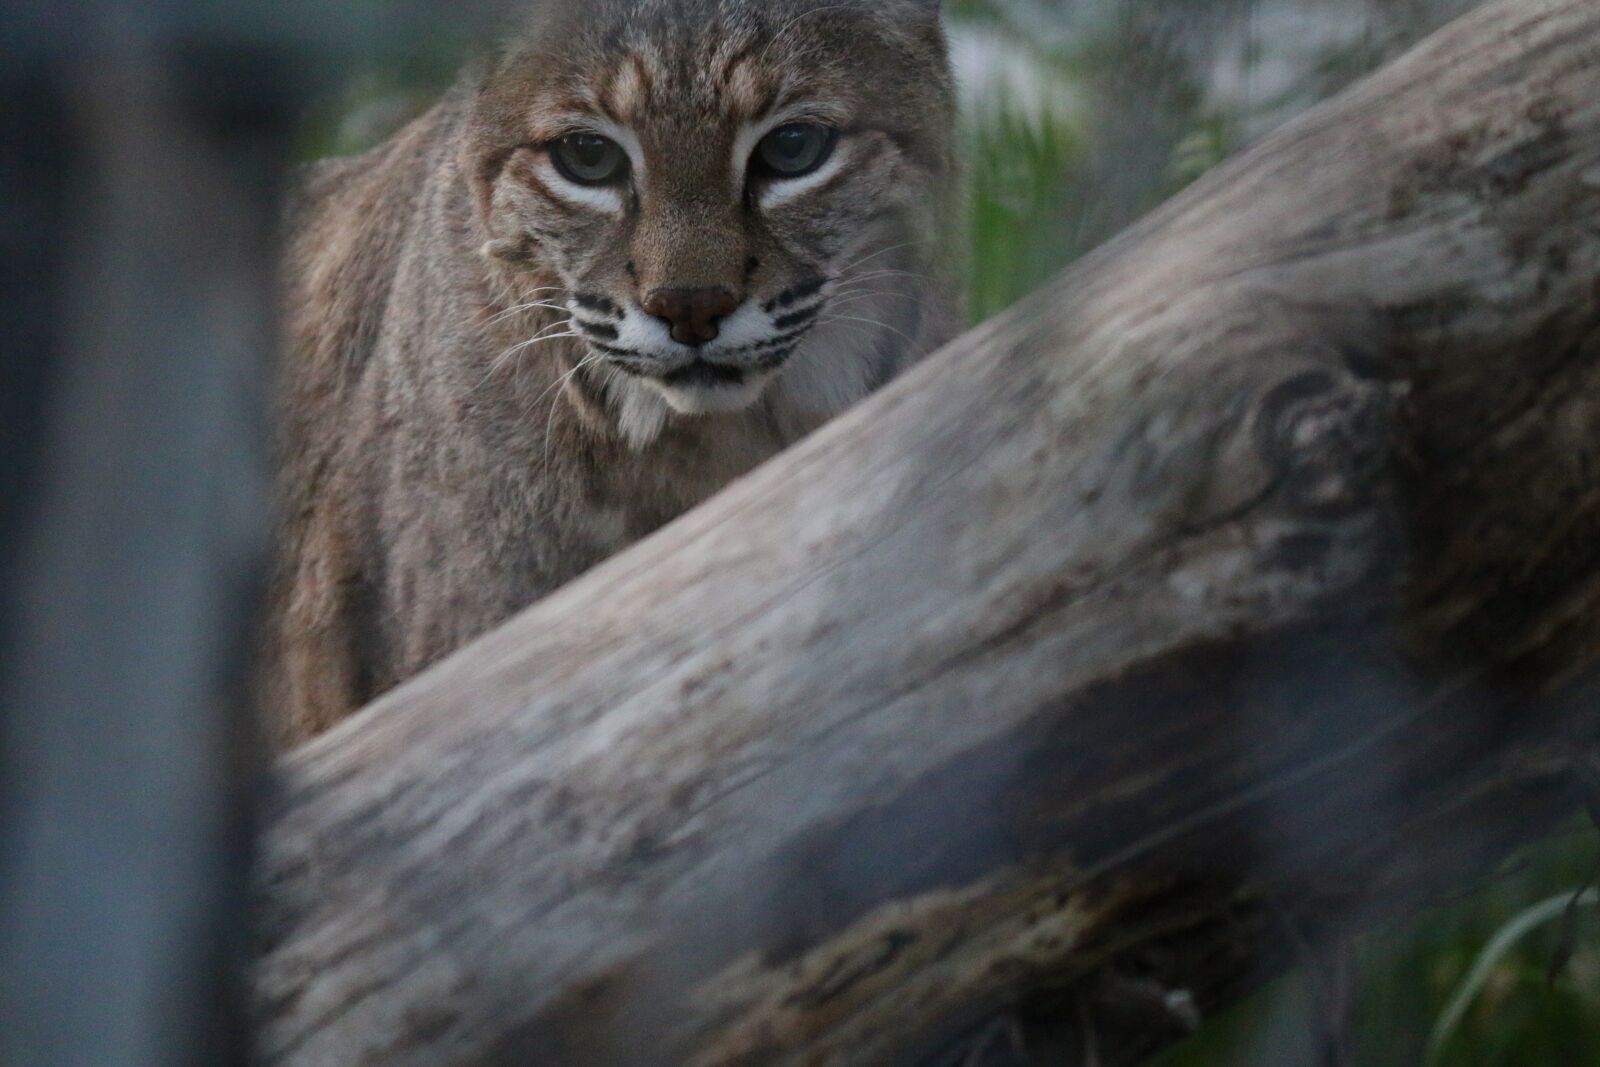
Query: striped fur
[[476, 408]]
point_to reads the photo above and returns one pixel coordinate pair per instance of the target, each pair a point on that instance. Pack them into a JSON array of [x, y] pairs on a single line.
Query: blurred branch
[[1241, 588]]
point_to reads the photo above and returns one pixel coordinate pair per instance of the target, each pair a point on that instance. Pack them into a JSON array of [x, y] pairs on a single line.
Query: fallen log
[[1241, 586]]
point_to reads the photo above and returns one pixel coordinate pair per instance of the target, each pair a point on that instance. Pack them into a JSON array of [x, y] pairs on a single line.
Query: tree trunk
[[1239, 587]]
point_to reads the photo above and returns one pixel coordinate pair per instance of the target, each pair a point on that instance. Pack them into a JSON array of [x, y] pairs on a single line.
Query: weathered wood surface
[[1240, 586]]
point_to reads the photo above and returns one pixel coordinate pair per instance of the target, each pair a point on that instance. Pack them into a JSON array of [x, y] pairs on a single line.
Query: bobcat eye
[[589, 159], [795, 149]]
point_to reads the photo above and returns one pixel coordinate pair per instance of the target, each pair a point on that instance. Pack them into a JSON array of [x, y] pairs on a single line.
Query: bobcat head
[[722, 194]]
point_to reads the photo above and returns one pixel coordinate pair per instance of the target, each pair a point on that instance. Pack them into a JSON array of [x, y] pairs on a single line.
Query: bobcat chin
[[646, 247]]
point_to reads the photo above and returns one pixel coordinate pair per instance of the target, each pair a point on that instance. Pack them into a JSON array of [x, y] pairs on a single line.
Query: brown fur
[[439, 473]]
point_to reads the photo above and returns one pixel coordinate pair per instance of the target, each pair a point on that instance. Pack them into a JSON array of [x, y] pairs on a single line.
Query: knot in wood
[[1325, 437]]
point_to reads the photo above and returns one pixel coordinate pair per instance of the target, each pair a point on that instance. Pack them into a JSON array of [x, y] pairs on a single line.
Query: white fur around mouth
[[644, 405], [743, 338], [784, 346]]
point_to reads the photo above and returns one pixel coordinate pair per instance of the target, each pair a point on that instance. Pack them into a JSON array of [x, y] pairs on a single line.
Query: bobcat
[[646, 247]]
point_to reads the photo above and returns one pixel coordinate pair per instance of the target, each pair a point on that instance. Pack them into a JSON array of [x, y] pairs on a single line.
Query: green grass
[[1408, 975], [1018, 181]]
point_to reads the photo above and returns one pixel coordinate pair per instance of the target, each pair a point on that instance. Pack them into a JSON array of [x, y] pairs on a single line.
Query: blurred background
[[1079, 117]]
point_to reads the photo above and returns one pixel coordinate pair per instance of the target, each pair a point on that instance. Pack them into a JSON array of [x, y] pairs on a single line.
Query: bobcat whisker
[[610, 380], [542, 334], [864, 285], [555, 403], [526, 307], [513, 309], [857, 297], [533, 304], [548, 333], [874, 275], [870, 322], [847, 268], [564, 378], [511, 353], [792, 23], [882, 272], [850, 325], [544, 289], [885, 270]]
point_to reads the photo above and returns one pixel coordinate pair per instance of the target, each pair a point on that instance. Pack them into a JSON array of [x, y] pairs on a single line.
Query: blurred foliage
[[1079, 117], [1018, 181], [376, 101], [1407, 975]]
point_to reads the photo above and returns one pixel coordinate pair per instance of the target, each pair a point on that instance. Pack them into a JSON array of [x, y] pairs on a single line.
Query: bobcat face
[[715, 185]]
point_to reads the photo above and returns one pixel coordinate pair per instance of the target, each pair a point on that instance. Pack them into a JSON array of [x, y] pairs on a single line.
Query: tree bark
[[1240, 587]]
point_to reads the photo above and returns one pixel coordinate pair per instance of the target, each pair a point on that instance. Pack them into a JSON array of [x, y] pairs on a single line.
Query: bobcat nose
[[693, 314]]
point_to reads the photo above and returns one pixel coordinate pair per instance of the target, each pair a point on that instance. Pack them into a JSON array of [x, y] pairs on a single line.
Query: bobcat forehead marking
[[647, 246], [627, 92]]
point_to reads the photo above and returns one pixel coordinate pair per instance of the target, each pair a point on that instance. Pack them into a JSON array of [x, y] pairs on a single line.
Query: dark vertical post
[[139, 184], [141, 151]]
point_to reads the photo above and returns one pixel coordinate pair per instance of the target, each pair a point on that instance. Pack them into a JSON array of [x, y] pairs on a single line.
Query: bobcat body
[[644, 249]]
